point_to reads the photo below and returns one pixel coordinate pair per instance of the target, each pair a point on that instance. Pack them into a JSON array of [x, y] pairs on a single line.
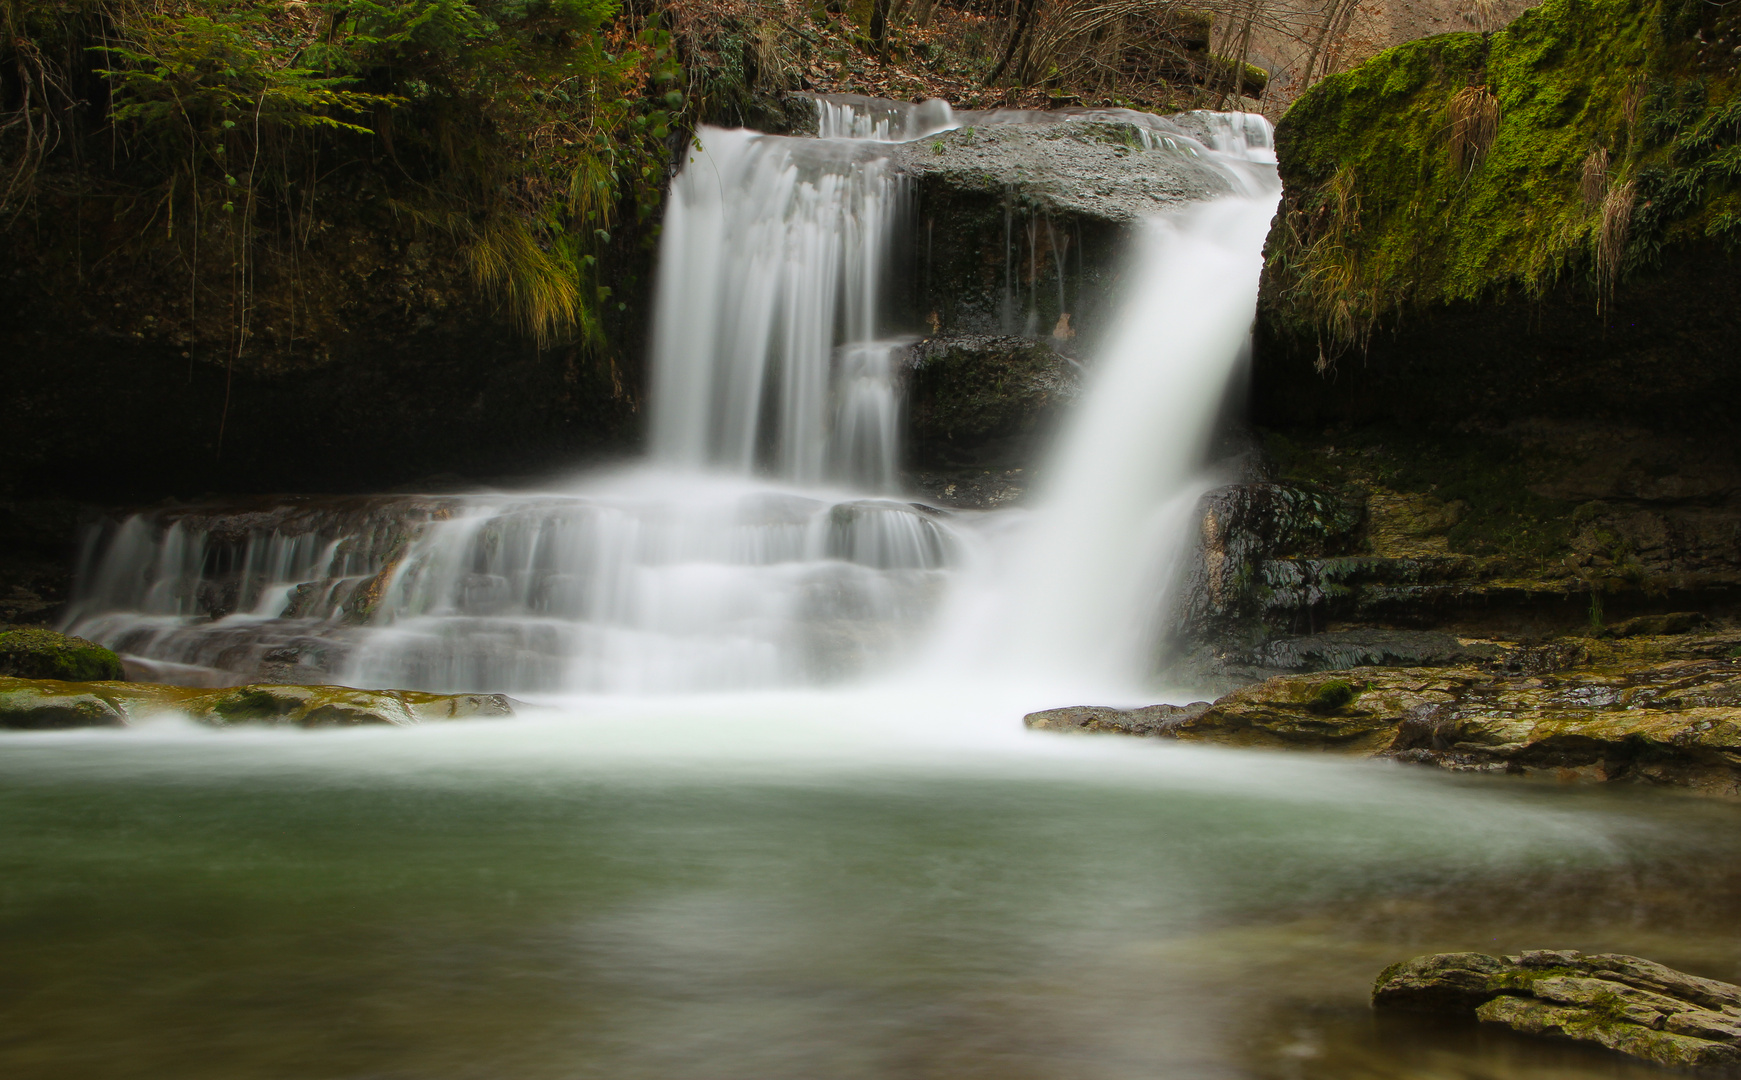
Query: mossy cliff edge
[[1531, 222]]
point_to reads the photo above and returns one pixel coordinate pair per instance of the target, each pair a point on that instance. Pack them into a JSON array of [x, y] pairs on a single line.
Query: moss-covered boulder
[[44, 654], [35, 704], [1532, 222], [1624, 1003]]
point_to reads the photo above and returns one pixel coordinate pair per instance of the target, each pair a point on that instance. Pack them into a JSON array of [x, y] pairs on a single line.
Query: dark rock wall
[[373, 361]]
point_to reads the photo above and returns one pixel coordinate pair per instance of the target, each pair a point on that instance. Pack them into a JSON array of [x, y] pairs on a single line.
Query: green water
[[750, 892]]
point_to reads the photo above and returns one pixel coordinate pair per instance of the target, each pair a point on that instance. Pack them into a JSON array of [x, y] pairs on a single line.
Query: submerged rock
[[44, 654], [27, 704], [1624, 1003]]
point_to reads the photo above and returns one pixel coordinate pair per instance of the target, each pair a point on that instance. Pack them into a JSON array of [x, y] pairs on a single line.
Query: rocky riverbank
[[1651, 709]]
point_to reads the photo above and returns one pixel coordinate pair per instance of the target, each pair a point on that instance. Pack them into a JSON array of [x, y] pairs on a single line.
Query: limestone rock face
[[1625, 1003], [984, 401], [44, 654], [27, 704], [1024, 220], [1092, 167]]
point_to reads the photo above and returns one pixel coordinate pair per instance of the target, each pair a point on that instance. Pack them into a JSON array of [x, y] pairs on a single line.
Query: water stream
[[771, 812]]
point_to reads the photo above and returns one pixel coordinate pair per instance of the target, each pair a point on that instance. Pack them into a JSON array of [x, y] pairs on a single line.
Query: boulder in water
[[49, 705], [1149, 720], [27, 704], [44, 654], [1625, 1003]]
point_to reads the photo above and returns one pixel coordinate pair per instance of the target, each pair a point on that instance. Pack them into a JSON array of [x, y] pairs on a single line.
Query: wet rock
[[1112, 165], [1267, 554], [39, 704], [339, 706], [984, 401], [969, 488], [1024, 220], [1625, 1003], [1149, 720], [44, 654], [1373, 648], [1446, 982], [47, 706], [1675, 622], [1636, 715]]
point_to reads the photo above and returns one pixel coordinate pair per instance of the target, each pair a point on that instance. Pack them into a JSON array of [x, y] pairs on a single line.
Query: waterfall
[[1117, 507], [773, 254], [764, 542]]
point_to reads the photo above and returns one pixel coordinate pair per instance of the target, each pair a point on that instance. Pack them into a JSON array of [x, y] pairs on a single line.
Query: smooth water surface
[[794, 886]]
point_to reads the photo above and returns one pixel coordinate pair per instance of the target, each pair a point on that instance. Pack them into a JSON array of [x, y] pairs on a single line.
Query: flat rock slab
[[45, 704], [1153, 720], [1672, 722], [1625, 1003], [1113, 171]]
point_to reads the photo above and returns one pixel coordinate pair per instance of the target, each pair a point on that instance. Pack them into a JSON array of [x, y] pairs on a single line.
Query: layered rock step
[[1625, 1003], [51, 704], [1627, 712]]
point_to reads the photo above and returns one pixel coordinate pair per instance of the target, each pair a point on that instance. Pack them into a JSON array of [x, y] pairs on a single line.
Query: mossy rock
[[1516, 224], [1333, 696], [1624, 1003], [34, 707], [38, 704], [44, 654]]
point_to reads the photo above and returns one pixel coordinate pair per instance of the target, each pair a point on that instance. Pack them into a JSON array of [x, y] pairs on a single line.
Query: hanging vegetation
[[1567, 150], [522, 129]]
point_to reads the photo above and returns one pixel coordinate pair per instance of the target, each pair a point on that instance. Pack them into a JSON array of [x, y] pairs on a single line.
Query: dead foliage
[[1474, 116]]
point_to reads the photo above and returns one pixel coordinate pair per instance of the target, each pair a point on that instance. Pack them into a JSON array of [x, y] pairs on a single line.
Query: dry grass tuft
[[1611, 240], [1474, 115], [1594, 184], [540, 293], [1483, 15]]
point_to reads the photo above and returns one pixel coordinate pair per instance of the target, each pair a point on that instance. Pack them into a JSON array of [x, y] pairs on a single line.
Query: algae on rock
[[44, 654], [27, 704], [1483, 229], [1624, 1003]]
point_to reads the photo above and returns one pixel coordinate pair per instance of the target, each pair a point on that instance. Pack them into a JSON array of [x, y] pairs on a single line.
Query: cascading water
[[762, 545], [895, 881], [774, 252]]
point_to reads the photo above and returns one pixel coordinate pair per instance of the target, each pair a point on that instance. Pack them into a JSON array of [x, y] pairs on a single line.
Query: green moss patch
[[1574, 146], [1332, 696], [44, 654], [1487, 477]]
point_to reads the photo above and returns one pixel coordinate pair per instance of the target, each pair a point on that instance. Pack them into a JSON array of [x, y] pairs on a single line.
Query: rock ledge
[[1624, 1003], [49, 704]]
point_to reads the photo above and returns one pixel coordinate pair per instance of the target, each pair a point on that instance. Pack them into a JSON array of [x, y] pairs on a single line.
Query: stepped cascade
[[765, 542]]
